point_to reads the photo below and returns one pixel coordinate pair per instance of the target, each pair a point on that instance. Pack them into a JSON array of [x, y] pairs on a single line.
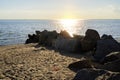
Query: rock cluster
[[59, 41], [43, 38], [104, 59], [96, 74], [105, 62], [105, 46]]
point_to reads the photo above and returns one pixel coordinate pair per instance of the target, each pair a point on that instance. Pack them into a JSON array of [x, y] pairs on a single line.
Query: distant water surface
[[16, 31]]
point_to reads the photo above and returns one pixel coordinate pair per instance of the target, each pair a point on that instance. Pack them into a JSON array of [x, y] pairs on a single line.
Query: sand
[[26, 62]]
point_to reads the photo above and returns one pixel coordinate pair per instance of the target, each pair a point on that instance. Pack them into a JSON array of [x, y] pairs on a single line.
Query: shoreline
[[117, 39], [60, 57]]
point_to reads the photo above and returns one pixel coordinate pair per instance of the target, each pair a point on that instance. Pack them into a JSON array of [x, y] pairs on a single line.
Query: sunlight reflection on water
[[16, 31], [71, 25]]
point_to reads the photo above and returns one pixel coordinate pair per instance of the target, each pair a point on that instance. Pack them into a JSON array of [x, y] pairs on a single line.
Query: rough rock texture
[[37, 32], [43, 38], [105, 47], [32, 39], [70, 45], [76, 66], [105, 36], [79, 37], [96, 74], [89, 41], [113, 66], [47, 37], [111, 57], [65, 34]]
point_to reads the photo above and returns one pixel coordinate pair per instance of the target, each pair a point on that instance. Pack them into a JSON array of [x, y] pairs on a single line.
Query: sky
[[59, 9]]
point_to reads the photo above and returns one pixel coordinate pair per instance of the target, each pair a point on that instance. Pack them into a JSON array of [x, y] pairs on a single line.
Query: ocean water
[[16, 31]]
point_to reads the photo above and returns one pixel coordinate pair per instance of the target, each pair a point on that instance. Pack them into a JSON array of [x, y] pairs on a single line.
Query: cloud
[[114, 8], [117, 9], [109, 11]]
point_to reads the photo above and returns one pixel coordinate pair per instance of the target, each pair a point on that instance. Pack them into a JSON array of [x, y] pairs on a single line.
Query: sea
[[16, 31]]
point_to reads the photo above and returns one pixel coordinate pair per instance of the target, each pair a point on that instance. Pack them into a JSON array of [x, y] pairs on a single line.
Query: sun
[[68, 22], [69, 25]]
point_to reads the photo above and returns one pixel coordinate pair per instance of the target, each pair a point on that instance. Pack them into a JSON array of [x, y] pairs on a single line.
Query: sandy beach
[[25, 62], [35, 62], [59, 39]]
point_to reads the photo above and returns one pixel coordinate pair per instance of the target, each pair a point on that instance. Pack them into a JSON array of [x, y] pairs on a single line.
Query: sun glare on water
[[69, 25]]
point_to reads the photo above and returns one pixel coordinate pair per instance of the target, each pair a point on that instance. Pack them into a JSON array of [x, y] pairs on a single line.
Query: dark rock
[[79, 37], [43, 37], [51, 38], [87, 45], [70, 45], [29, 36], [65, 34], [28, 41], [88, 74], [89, 41], [96, 74], [37, 32], [114, 77], [111, 57], [105, 47], [92, 35], [76, 66], [32, 39], [47, 37], [105, 36], [113, 66]]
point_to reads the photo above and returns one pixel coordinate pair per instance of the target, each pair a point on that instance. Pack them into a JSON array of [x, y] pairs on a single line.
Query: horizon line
[[60, 19]]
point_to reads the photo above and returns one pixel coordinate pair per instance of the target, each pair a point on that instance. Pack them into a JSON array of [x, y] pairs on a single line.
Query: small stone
[[2, 76], [42, 48]]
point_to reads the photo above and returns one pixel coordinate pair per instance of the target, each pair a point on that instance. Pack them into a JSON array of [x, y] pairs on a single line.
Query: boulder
[[111, 57], [87, 45], [43, 38], [76, 66], [51, 36], [89, 41], [96, 74], [105, 47], [115, 76], [79, 37], [65, 34], [47, 37], [105, 36], [32, 39], [113, 66], [92, 35], [37, 32], [70, 45]]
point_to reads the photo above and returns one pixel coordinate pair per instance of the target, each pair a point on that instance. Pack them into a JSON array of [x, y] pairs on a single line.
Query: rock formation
[[96, 74], [102, 65], [105, 46], [90, 40]]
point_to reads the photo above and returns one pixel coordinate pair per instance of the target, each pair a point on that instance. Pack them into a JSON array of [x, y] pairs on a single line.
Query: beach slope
[[25, 62]]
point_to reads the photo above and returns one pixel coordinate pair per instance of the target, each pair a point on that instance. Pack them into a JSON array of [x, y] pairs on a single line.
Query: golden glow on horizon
[[69, 25]]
